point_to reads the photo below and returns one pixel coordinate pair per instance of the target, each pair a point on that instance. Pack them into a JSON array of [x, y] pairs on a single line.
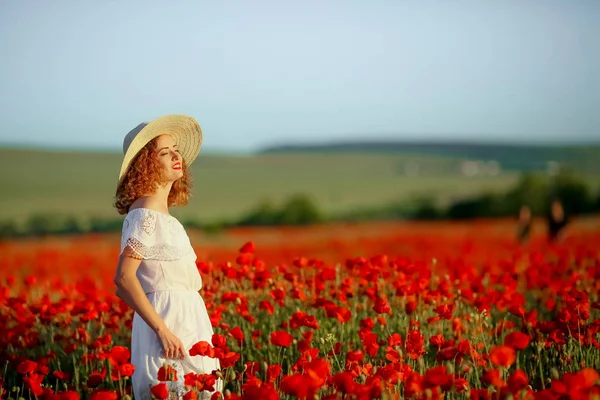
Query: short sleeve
[[140, 234], [155, 236]]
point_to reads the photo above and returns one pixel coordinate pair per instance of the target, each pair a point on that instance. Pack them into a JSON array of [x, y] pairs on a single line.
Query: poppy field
[[404, 310]]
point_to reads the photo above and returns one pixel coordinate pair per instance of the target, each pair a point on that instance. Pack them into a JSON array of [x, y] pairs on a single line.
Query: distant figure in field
[[524, 224], [557, 220]]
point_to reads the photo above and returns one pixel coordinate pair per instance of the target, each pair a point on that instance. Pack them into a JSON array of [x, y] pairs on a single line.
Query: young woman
[[156, 272]]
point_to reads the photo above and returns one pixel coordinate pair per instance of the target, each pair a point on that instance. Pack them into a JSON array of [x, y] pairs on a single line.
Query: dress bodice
[[168, 259]]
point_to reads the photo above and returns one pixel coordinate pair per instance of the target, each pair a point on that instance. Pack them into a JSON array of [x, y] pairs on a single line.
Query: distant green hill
[[511, 157], [82, 183]]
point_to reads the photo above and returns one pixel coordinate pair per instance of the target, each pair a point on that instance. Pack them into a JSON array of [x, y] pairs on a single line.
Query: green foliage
[[533, 190], [263, 215], [42, 224], [8, 229], [427, 208], [573, 192], [297, 210], [486, 205]]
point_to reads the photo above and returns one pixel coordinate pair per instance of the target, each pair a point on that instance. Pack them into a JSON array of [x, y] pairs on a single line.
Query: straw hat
[[185, 130]]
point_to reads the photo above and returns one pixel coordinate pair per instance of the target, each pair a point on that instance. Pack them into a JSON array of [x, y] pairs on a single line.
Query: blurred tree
[[8, 229], [572, 191], [299, 210], [426, 208], [486, 205], [531, 190], [264, 214]]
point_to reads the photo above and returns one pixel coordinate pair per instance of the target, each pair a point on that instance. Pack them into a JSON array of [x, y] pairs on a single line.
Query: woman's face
[[169, 158]]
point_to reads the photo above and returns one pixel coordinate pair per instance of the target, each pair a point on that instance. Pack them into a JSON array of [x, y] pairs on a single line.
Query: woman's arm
[[130, 291]]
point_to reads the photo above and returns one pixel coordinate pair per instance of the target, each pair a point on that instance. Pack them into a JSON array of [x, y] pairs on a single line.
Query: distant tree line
[[533, 190], [536, 191]]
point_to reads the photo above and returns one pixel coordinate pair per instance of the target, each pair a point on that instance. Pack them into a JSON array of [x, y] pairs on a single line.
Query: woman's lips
[[177, 166]]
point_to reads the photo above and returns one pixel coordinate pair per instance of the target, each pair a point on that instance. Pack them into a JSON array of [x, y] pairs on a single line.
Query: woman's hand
[[172, 346]]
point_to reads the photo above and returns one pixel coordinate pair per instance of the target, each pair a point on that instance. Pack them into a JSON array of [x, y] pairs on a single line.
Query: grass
[[83, 183]]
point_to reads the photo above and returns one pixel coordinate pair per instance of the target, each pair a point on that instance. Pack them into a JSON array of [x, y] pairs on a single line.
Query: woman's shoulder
[[148, 203], [147, 215]]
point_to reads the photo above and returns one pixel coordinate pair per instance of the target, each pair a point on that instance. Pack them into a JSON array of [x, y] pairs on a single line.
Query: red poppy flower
[[354, 356], [267, 306], [160, 391], [437, 340], [95, 379], [69, 395], [414, 344], [248, 247], [202, 348], [237, 334], [244, 259], [300, 262], [344, 382], [205, 382], [63, 376], [300, 318], [218, 340], [26, 367], [278, 295], [167, 374], [273, 372], [517, 381], [461, 385], [367, 323], [70, 348], [381, 306], [281, 338], [121, 371], [437, 376], [229, 359], [295, 385], [392, 355], [34, 383], [502, 356], [517, 340], [444, 311], [103, 394], [317, 370], [492, 377], [517, 310], [119, 355]]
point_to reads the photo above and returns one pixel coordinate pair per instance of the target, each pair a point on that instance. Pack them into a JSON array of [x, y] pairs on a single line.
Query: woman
[[156, 272]]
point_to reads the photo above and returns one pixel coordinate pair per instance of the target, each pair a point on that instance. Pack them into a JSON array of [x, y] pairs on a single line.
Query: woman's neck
[[160, 198]]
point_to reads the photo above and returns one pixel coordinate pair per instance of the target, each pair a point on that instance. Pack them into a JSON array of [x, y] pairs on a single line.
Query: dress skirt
[[184, 313]]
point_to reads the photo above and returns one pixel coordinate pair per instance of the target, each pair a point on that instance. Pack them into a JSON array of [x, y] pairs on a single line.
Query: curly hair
[[143, 177]]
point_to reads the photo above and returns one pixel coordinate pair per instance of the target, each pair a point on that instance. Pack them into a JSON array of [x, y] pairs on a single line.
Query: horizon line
[[326, 143]]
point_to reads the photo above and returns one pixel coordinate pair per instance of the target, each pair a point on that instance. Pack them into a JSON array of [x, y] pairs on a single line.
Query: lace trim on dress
[[155, 237], [163, 252]]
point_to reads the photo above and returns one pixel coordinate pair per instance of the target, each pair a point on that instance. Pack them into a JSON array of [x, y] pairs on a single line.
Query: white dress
[[171, 281]]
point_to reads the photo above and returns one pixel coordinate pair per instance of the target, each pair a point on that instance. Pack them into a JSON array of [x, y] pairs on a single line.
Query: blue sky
[[80, 74]]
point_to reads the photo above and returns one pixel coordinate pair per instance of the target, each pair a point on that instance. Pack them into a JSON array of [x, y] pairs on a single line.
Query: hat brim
[[184, 129]]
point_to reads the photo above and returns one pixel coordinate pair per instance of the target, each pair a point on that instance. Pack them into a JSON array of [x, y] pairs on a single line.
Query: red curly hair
[[143, 176]]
